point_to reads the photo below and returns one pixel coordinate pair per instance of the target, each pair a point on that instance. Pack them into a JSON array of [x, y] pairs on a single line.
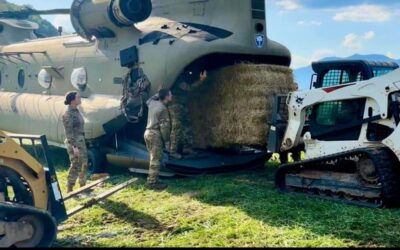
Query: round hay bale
[[233, 107]]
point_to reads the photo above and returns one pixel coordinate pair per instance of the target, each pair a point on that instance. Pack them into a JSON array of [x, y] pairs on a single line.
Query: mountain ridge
[[46, 29]]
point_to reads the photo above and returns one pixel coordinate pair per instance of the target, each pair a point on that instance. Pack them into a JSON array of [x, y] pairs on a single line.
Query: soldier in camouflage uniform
[[75, 141], [157, 135], [182, 132]]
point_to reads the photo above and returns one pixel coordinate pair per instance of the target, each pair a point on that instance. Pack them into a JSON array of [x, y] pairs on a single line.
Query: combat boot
[[82, 184], [98, 176], [69, 188], [176, 156], [157, 185], [189, 151]]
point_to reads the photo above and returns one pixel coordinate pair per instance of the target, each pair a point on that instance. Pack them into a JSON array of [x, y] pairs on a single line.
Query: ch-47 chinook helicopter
[[169, 39]]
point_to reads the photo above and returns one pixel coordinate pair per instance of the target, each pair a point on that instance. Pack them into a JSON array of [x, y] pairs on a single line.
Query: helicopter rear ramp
[[207, 162], [134, 155]]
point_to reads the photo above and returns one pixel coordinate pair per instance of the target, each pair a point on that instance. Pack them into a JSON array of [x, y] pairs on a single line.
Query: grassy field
[[226, 210]]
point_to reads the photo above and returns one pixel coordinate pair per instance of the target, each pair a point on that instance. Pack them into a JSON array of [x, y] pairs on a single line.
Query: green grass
[[225, 210]]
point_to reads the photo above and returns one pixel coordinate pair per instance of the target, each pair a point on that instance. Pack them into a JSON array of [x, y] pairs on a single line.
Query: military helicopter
[[120, 39]]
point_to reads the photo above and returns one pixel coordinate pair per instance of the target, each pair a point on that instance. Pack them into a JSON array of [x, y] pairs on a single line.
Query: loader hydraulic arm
[[298, 103], [296, 122]]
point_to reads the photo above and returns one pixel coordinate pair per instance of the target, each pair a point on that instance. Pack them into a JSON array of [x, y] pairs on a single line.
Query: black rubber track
[[12, 212], [388, 170], [386, 163]]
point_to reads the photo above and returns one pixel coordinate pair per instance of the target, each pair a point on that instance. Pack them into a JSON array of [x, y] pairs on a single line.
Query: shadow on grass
[[137, 219], [117, 211], [253, 192]]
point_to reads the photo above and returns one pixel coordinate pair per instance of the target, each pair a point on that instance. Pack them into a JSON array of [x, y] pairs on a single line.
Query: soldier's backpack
[[135, 93]]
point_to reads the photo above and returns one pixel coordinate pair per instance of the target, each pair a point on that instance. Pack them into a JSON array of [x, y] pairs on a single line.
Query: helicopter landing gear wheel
[[95, 161]]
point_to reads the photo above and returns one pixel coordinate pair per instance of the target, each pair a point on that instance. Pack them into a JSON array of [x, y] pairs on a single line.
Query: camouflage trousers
[[78, 167], [182, 131], [154, 145]]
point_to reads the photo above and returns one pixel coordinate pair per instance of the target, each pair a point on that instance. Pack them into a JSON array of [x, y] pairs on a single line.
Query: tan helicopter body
[[179, 37]]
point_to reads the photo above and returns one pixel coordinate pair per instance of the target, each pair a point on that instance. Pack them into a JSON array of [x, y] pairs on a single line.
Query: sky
[[56, 20], [314, 29], [311, 29]]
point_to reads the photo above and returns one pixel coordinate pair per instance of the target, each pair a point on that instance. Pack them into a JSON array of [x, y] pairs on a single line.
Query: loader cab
[[333, 73], [340, 120]]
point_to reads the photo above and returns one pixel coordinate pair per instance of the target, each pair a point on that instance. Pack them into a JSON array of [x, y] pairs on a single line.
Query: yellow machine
[[31, 203]]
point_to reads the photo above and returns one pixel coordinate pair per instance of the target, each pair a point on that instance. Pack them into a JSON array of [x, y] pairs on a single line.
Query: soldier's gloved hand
[[203, 76], [76, 151]]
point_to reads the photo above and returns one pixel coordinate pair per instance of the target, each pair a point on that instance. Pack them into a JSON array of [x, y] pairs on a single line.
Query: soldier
[[157, 135], [75, 141], [182, 133]]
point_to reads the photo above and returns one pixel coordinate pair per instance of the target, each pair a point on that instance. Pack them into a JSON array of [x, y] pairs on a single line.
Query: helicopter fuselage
[[180, 36]]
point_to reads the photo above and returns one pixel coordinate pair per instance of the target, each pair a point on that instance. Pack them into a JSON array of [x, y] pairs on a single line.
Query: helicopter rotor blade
[[52, 12], [25, 13]]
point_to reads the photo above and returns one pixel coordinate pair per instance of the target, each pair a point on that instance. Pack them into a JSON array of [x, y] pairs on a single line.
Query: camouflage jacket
[[73, 125], [181, 90], [158, 118]]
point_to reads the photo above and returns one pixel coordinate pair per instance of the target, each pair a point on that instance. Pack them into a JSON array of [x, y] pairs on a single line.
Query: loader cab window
[[336, 77], [360, 77], [380, 71], [337, 120], [332, 78]]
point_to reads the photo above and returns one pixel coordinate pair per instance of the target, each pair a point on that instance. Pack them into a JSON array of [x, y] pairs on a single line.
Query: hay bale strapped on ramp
[[233, 107]]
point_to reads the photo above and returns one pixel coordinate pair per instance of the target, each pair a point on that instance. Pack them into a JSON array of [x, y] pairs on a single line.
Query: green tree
[[46, 29]]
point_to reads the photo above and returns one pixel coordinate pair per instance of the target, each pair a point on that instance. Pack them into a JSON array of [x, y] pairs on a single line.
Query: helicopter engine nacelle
[[103, 18]]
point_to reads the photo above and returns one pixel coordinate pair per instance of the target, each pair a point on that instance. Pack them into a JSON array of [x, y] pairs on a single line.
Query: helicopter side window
[[45, 79], [21, 78], [79, 79]]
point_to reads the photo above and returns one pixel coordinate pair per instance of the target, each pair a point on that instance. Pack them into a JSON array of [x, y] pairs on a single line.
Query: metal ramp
[[210, 162], [135, 156]]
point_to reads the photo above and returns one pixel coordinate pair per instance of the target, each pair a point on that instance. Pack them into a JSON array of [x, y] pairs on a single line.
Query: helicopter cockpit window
[[21, 78], [45, 79], [79, 79]]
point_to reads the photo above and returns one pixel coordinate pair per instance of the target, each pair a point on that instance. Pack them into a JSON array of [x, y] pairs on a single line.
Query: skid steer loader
[[31, 203], [348, 127]]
